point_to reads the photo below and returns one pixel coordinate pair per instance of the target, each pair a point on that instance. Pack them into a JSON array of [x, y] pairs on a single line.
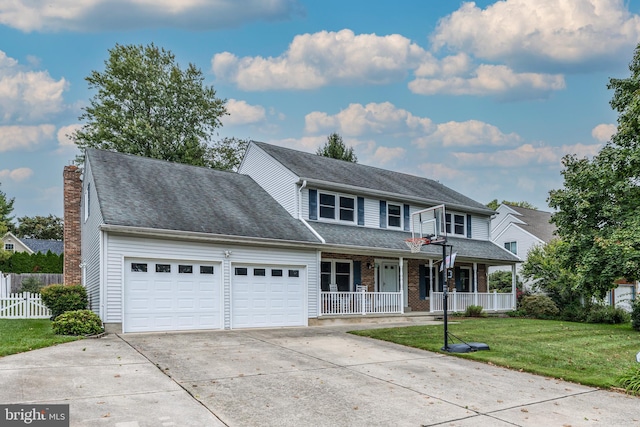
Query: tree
[[335, 148], [147, 105], [501, 281], [4, 255], [522, 204], [597, 208], [40, 227], [6, 207], [227, 153]]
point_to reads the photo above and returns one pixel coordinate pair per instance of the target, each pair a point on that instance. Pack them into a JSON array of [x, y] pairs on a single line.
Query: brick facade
[[72, 188]]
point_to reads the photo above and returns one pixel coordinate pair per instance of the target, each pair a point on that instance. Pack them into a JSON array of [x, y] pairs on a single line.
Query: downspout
[[315, 233]]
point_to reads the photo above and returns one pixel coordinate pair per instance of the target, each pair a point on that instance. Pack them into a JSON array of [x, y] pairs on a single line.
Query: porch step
[[418, 318]]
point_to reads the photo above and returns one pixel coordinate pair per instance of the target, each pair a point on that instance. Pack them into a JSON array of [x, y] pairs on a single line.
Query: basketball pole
[[445, 295]]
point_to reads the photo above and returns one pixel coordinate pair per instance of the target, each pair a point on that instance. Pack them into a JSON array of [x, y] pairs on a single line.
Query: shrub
[[630, 380], [60, 298], [515, 313], [600, 313], [635, 315], [474, 311], [31, 284], [574, 312], [540, 306], [77, 322]]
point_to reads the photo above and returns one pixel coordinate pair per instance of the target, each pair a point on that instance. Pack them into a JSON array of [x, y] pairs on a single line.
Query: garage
[[165, 295], [268, 296]]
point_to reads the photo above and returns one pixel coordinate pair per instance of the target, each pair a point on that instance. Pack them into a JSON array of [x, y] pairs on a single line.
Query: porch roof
[[364, 239]]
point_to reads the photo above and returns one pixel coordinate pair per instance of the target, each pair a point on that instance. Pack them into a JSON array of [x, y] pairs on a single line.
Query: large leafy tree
[[6, 207], [597, 210], [40, 227], [147, 105], [336, 149], [522, 204], [227, 153]]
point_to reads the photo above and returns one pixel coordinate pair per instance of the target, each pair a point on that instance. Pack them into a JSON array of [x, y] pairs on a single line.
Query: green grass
[[590, 354], [20, 335]]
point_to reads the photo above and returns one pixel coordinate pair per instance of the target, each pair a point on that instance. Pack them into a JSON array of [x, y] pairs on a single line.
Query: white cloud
[[24, 137], [469, 133], [603, 132], [440, 172], [27, 95], [94, 15], [386, 155], [370, 119], [542, 32], [497, 80], [323, 58], [65, 143], [525, 155], [241, 113], [17, 175]]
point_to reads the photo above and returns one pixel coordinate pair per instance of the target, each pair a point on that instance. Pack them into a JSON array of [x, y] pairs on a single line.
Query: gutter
[[315, 233]]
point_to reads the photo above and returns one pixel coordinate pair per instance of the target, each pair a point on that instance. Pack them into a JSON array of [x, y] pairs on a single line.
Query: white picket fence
[[25, 305]]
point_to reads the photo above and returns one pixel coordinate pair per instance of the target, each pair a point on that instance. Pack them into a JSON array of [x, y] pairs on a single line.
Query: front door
[[389, 277]]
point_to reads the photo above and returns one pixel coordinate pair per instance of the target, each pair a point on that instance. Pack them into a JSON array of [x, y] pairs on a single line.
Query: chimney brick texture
[[72, 243]]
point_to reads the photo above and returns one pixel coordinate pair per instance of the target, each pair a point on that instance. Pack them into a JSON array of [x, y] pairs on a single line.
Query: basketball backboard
[[429, 223]]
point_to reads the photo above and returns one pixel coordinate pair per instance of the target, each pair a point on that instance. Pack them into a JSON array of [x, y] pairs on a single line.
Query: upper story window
[[332, 206], [8, 247], [394, 215], [456, 224], [512, 247]]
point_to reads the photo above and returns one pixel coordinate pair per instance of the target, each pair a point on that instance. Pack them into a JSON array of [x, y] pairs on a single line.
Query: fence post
[[495, 300], [455, 301]]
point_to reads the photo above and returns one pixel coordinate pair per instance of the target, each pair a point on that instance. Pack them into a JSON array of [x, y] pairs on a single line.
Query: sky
[[485, 97]]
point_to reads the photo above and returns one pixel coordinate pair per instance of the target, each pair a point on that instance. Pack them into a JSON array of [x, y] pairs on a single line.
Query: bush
[[516, 313], [77, 322], [630, 380], [635, 315], [539, 306], [31, 284], [574, 312], [474, 311], [60, 298], [600, 313]]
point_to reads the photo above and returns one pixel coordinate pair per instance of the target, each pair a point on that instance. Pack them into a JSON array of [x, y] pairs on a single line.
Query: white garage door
[[267, 296], [164, 295]]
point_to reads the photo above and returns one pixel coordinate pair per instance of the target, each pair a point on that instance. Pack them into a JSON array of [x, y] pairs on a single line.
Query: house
[[292, 238], [32, 246]]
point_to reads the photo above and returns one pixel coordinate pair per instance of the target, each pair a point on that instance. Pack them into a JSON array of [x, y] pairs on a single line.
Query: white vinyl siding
[[480, 227], [90, 237], [277, 180], [121, 247]]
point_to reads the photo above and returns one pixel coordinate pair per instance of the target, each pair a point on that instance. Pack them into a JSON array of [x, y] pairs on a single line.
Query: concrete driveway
[[317, 376]]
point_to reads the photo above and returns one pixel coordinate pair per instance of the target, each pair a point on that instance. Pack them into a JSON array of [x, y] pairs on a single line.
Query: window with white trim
[[512, 247], [8, 247], [459, 225], [394, 215], [336, 207], [337, 272]]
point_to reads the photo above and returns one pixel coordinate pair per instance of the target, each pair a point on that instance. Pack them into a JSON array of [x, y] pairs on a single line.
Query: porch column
[[475, 283], [431, 287], [513, 287], [401, 271]]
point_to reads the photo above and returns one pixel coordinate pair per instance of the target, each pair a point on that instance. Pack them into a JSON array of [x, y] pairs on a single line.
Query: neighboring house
[[292, 238], [32, 246], [518, 229]]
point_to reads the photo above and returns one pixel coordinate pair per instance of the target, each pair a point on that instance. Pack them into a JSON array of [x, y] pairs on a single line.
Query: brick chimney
[[72, 244]]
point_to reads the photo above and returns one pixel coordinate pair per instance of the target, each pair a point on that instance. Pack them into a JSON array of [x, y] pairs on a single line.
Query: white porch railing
[[345, 303], [459, 301], [25, 305]]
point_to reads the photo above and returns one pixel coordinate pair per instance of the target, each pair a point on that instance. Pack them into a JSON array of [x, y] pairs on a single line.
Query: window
[[8, 247], [185, 269], [463, 281], [259, 272], [294, 273], [394, 215], [512, 247], [459, 224], [163, 268], [240, 271], [137, 267], [206, 269], [335, 272], [346, 207], [276, 272]]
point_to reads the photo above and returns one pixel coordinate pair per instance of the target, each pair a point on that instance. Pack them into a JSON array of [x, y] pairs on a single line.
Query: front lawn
[[20, 335], [589, 354]]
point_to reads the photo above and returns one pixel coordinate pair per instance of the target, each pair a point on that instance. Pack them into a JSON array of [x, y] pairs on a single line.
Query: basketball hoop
[[415, 243]]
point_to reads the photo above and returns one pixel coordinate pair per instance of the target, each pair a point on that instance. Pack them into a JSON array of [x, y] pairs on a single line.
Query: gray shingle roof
[[362, 238], [314, 167], [142, 192], [40, 245], [537, 223]]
